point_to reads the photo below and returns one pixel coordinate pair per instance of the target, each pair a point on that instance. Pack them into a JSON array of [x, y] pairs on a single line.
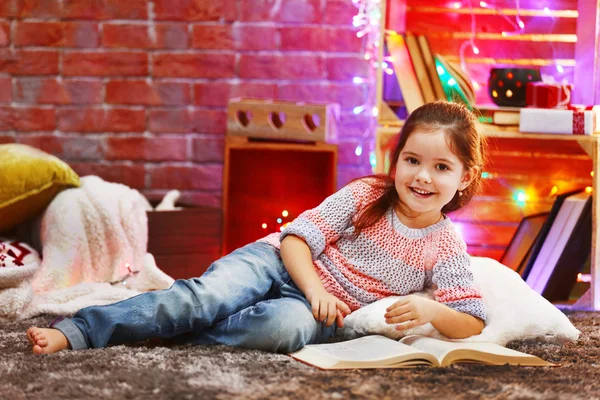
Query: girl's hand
[[412, 311], [327, 308]]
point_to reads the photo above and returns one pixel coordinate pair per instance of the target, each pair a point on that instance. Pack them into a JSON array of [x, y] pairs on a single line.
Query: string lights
[[368, 20], [279, 222]]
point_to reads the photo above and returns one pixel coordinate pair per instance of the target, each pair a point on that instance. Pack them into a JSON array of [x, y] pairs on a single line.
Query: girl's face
[[428, 174]]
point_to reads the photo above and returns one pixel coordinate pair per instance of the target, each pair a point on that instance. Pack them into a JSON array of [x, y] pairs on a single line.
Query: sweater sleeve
[[325, 223], [454, 280]]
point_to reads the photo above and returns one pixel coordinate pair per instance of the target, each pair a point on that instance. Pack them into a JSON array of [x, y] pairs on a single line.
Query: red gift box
[[547, 95]]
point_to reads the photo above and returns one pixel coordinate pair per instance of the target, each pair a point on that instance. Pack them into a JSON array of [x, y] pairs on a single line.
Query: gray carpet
[[185, 372]]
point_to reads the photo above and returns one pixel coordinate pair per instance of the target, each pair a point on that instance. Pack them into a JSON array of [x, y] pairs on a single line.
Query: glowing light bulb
[[483, 4], [451, 82], [389, 71], [375, 111], [475, 49], [384, 64], [494, 93], [373, 160], [521, 197], [264, 226], [589, 189], [521, 24], [547, 10], [285, 213], [279, 220], [476, 85], [367, 56], [591, 173], [440, 70], [560, 68], [509, 93], [357, 110], [357, 80], [554, 190], [456, 5], [358, 150]]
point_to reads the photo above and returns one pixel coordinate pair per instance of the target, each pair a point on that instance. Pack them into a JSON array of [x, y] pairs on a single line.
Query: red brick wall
[[135, 91]]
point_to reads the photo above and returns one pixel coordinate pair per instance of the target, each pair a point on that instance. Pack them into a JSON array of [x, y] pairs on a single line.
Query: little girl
[[378, 236]]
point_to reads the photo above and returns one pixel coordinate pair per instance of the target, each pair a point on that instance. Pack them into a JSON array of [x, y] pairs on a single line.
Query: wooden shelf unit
[[385, 139]]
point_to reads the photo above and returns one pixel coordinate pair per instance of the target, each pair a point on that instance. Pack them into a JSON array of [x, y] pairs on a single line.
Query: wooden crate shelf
[[262, 179]]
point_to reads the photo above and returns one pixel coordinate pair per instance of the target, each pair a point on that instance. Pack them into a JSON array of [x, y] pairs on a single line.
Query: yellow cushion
[[29, 180]]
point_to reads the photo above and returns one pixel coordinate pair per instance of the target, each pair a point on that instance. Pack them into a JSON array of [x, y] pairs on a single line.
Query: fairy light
[[584, 277], [517, 23], [521, 197], [358, 109], [373, 160], [264, 226], [368, 22], [285, 213]]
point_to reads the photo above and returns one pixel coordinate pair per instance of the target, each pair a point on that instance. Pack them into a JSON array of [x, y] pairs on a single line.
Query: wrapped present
[[574, 120], [547, 95]]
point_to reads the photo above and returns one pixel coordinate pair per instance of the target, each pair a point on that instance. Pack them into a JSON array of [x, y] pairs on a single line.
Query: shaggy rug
[[219, 372]]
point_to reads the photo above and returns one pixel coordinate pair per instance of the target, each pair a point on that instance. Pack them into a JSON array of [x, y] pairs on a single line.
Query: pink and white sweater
[[387, 258]]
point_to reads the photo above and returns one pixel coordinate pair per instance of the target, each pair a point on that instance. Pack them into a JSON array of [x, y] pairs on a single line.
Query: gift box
[[576, 121], [547, 95]]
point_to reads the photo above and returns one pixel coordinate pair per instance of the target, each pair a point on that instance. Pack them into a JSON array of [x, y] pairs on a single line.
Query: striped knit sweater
[[387, 258]]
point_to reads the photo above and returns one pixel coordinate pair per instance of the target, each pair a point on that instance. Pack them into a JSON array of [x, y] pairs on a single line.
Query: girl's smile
[[421, 193]]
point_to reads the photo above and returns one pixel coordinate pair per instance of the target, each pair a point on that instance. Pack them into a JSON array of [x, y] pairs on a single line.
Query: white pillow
[[515, 311]]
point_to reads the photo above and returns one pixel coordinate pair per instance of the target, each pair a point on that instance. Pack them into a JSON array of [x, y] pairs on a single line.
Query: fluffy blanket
[[93, 241]]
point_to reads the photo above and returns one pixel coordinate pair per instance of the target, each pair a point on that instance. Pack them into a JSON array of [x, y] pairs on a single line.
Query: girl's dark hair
[[464, 139]]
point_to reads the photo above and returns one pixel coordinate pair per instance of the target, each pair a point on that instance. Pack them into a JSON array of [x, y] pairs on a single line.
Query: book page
[[490, 353], [368, 348], [366, 352]]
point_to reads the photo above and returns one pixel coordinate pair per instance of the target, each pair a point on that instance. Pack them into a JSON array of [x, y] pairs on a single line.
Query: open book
[[377, 351]]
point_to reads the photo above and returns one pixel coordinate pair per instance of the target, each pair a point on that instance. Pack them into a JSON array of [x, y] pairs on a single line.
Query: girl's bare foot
[[46, 341]]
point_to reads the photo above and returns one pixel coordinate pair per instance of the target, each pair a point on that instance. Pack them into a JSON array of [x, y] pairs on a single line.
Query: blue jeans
[[245, 299]]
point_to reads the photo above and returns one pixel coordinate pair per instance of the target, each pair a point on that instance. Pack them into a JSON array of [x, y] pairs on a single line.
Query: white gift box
[[550, 120]]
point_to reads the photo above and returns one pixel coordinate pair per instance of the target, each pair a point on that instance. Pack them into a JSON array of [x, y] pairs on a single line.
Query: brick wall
[[135, 91]]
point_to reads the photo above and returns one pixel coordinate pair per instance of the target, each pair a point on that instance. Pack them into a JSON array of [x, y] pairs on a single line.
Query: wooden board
[[283, 121]]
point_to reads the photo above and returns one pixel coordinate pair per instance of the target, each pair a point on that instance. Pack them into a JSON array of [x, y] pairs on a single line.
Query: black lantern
[[506, 86]]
